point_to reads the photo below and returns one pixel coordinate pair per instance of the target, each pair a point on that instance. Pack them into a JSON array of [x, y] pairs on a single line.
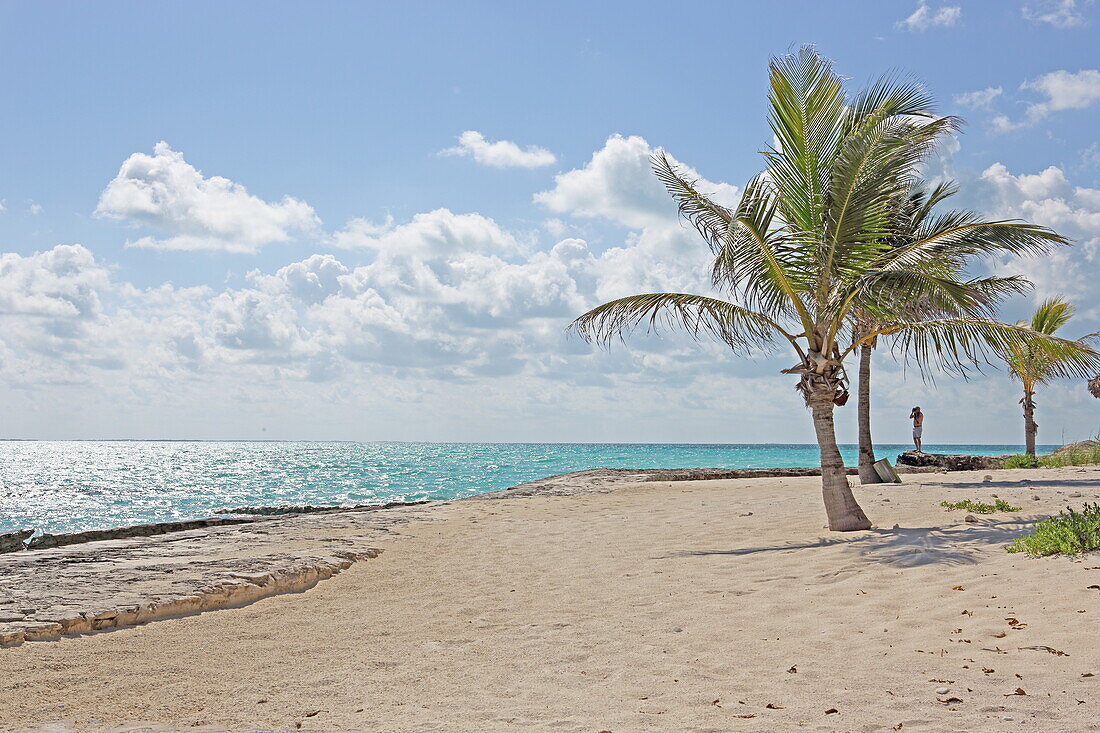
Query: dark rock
[[14, 541], [951, 462], [711, 474], [45, 540], [272, 511]]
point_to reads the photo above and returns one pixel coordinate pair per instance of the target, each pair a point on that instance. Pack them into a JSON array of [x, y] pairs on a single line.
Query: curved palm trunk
[[845, 514], [1030, 426], [867, 473]]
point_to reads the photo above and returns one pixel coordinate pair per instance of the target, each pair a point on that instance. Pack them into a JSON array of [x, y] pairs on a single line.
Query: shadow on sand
[[904, 547], [1061, 482]]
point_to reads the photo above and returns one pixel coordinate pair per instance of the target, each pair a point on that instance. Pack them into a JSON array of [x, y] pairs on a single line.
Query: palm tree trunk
[[1030, 426], [845, 514], [867, 473]]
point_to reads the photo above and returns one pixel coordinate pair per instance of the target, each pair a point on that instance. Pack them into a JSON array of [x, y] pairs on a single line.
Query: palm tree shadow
[[906, 547]]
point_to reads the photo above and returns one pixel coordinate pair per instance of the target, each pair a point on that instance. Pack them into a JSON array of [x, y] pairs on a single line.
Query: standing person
[[918, 426]]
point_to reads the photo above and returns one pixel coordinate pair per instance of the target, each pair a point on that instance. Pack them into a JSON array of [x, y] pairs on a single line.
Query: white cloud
[[1058, 13], [442, 297], [432, 233], [618, 185], [1063, 90], [1048, 198], [500, 153], [924, 17], [166, 193], [980, 99], [63, 282]]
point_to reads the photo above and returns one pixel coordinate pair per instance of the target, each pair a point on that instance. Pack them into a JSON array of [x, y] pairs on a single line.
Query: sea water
[[65, 486]]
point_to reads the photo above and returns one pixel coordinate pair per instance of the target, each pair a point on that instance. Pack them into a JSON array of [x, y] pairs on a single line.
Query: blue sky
[[436, 285]]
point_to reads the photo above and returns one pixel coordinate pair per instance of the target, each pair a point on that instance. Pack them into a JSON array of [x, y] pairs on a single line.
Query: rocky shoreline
[[132, 575]]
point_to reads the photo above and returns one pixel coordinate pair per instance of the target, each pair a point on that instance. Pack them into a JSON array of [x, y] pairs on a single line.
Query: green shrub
[[1000, 505], [1022, 461], [1079, 457], [1068, 532]]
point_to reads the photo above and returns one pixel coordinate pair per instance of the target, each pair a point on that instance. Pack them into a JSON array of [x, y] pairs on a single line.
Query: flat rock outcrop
[[104, 584], [950, 462], [94, 581]]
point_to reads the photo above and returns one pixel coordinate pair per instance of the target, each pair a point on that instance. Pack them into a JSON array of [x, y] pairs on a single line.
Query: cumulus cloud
[[1058, 13], [443, 297], [925, 17], [1063, 90], [980, 99], [1048, 198], [618, 185], [63, 282], [429, 233], [499, 153], [165, 193]]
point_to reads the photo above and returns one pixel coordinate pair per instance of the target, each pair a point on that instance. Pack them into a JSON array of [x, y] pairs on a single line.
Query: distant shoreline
[[891, 446]]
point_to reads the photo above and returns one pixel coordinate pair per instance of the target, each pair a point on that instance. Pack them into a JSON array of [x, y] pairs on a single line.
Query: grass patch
[[978, 507], [1079, 457], [1069, 532], [1022, 461]]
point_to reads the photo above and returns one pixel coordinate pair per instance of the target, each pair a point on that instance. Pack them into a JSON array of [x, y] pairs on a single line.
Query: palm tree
[[912, 221], [804, 248], [1035, 367]]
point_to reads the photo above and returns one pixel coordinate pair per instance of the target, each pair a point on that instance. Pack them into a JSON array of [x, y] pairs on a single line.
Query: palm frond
[[872, 173], [739, 328], [712, 221], [958, 236], [751, 257], [953, 344], [807, 108], [1051, 315]]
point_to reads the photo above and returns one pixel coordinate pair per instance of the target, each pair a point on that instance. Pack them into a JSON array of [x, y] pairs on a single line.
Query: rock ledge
[[949, 462]]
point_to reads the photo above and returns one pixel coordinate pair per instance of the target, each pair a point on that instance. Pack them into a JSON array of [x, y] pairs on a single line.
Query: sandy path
[[653, 607]]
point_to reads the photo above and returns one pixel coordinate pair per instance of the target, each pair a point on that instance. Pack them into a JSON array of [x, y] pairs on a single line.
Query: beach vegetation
[[1083, 456], [1068, 532], [1022, 461], [980, 507], [807, 247], [1037, 367]]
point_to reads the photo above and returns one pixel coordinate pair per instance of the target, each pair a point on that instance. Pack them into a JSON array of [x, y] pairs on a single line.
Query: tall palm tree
[[913, 220], [804, 248], [1035, 367]]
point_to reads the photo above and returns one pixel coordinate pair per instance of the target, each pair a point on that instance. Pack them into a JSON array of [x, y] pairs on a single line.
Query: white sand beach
[[688, 606]]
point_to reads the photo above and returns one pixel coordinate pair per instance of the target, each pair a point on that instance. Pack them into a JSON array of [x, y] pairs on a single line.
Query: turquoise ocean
[[65, 486]]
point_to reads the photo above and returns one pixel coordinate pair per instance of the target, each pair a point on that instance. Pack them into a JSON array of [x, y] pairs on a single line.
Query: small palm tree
[[805, 249], [915, 220], [1035, 367]]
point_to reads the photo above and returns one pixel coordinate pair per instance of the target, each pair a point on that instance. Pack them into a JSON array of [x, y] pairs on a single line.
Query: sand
[[688, 606]]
